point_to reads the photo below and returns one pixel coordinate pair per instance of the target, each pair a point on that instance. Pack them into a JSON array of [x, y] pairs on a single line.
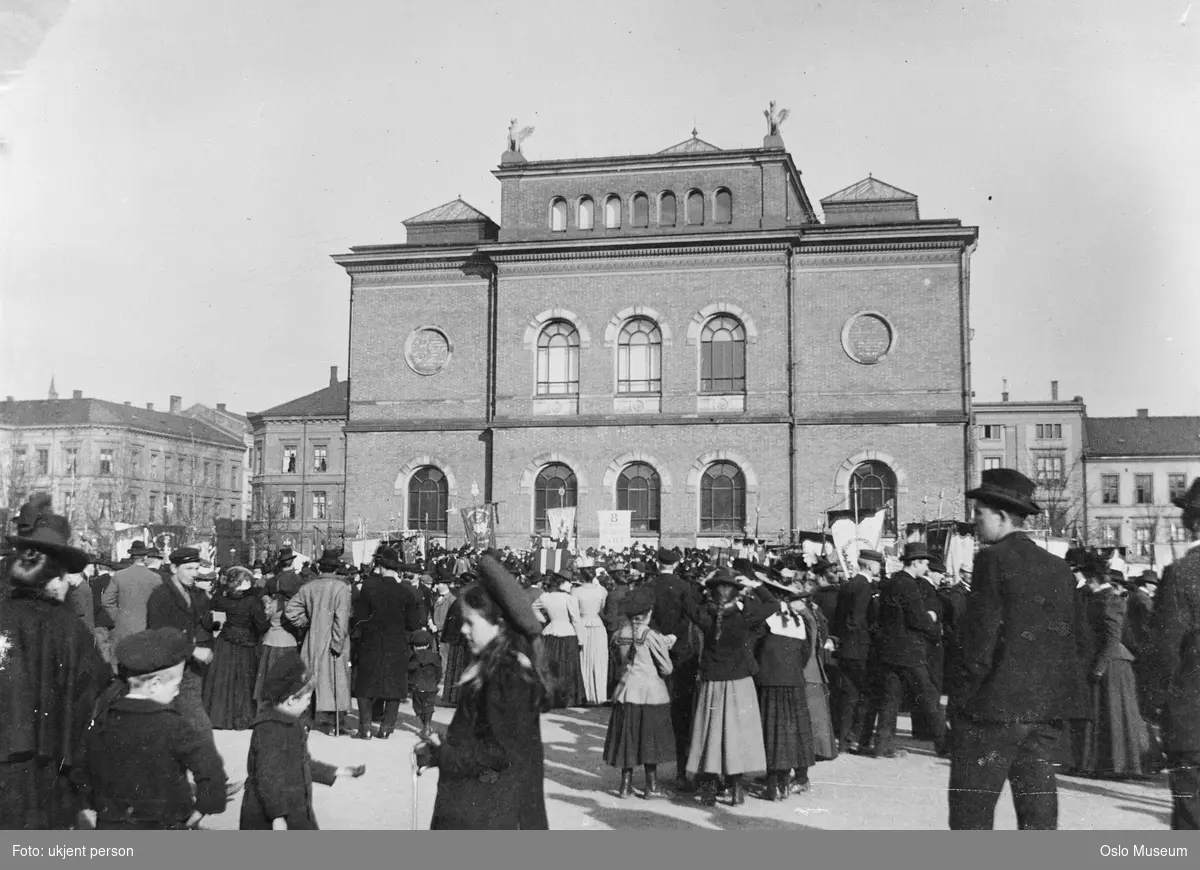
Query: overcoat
[[387, 611], [1177, 622], [280, 774], [322, 608], [126, 598], [904, 623], [851, 624]]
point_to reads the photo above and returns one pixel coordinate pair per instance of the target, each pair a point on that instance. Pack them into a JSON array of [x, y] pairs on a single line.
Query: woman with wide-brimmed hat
[[562, 634], [230, 680], [727, 729]]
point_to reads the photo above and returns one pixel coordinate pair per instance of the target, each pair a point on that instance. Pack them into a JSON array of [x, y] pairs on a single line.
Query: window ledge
[[556, 405], [637, 404], [721, 403]]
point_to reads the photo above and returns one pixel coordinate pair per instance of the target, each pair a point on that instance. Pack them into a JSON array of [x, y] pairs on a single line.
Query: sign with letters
[[614, 529]]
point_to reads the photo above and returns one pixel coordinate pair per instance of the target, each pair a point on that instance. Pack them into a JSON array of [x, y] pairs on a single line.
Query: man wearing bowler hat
[[1020, 679], [852, 628]]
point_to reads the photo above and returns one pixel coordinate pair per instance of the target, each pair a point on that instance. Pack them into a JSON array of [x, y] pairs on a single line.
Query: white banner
[[614, 529], [561, 522]]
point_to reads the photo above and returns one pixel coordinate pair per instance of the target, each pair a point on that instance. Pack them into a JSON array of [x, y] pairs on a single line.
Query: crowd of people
[[739, 673]]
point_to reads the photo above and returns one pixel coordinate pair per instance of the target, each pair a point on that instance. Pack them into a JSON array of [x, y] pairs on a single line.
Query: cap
[[504, 589], [667, 557], [871, 556], [287, 676], [148, 652], [420, 637], [637, 602], [185, 556]]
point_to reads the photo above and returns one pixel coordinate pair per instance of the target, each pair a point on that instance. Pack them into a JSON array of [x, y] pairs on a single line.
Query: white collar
[[794, 629]]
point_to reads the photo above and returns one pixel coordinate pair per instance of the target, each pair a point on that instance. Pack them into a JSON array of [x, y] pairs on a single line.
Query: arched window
[[558, 215], [428, 495], [639, 357], [558, 359], [587, 213], [666, 209], [723, 207], [723, 356], [695, 208], [872, 487], [723, 499], [612, 212], [641, 210], [555, 487], [638, 491]]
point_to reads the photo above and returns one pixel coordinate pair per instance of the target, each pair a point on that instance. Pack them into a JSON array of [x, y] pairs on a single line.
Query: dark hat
[[386, 557], [155, 650], [936, 565], [420, 637], [285, 557], [871, 555], [138, 549], [637, 602], [667, 557], [185, 556], [744, 566], [287, 676], [785, 591], [1190, 500], [331, 559], [1147, 576], [48, 533], [915, 550], [503, 588], [726, 577], [1008, 489], [822, 565]]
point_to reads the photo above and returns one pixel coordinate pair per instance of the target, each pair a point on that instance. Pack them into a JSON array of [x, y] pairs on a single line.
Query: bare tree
[[14, 473], [1060, 493], [268, 520]]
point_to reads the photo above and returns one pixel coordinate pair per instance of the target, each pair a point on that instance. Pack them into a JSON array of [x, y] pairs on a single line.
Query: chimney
[[220, 406], [77, 394], [333, 376], [1054, 391], [128, 404], [1143, 413], [8, 398], [149, 406], [1004, 394], [176, 404]]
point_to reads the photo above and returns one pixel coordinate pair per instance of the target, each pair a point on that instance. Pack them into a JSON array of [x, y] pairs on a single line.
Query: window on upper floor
[[318, 505], [289, 505], [104, 505], [1176, 485], [989, 433], [640, 210], [723, 207], [428, 496], [1143, 540], [990, 462], [639, 357], [153, 515], [320, 457], [612, 212], [71, 454], [1049, 470], [234, 483], [207, 479], [666, 209], [586, 213], [873, 488], [1110, 534], [638, 490], [1110, 489], [1143, 489], [1046, 431], [289, 459], [723, 499], [555, 487], [106, 461], [695, 208], [558, 359], [558, 215], [723, 355]]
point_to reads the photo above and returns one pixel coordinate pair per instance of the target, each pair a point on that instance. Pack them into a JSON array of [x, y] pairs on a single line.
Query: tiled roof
[[455, 210], [690, 146], [1143, 436], [332, 401], [98, 412], [870, 189]]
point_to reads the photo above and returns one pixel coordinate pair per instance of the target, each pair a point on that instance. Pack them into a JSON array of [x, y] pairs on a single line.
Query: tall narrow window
[[320, 454], [1110, 489], [639, 357], [723, 207], [106, 461], [695, 208], [723, 356], [428, 494], [1143, 489], [558, 215], [666, 209], [723, 499], [612, 212], [640, 209], [289, 505], [558, 359], [638, 491], [318, 505], [587, 213], [873, 487], [555, 487]]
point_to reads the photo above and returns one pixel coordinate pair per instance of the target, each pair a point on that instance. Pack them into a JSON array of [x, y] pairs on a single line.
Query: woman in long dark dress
[[491, 760], [231, 677], [455, 651]]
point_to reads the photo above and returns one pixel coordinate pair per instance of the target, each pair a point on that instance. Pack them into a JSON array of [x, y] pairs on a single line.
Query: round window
[[868, 337]]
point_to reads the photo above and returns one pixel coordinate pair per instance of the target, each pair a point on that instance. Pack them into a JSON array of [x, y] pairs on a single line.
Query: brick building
[[677, 334]]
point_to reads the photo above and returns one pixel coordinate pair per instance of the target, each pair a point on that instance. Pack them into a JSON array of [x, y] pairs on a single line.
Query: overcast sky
[[176, 174]]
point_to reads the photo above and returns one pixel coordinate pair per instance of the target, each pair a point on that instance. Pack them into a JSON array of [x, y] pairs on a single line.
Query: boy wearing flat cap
[[139, 749]]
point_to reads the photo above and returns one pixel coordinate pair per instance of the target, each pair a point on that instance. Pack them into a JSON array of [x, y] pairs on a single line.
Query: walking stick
[[337, 708], [416, 772]]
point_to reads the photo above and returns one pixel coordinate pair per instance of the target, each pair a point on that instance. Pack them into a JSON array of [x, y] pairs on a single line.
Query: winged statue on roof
[[516, 137], [774, 120]]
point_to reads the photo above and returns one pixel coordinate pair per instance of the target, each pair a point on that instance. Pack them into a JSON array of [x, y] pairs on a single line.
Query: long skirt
[[787, 727], [824, 741], [36, 795], [267, 656], [639, 734], [229, 686], [562, 656], [727, 733], [1116, 739], [593, 664], [456, 663]]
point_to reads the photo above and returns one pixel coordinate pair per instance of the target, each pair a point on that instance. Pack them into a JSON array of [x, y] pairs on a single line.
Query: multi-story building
[[1045, 441], [676, 334], [105, 463], [1135, 466], [238, 426], [299, 468]]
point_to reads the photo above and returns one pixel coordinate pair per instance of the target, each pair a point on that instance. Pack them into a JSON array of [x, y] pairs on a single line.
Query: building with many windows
[[676, 334], [298, 471]]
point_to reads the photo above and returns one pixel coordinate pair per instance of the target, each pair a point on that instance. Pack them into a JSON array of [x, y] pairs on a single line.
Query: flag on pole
[[479, 523], [561, 522]]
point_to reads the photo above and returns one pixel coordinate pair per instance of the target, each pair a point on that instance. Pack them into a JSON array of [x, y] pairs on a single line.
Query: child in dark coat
[[424, 673], [279, 770]]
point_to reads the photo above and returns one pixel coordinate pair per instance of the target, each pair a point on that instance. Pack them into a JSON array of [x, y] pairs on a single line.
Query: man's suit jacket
[[851, 624], [670, 592], [1177, 622], [904, 623], [126, 598], [1020, 662]]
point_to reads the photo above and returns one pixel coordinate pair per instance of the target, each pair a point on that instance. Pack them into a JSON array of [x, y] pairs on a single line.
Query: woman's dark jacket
[[781, 660], [246, 619], [280, 774], [730, 656]]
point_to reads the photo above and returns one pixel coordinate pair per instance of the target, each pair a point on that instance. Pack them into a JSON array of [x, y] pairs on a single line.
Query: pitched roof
[[870, 189], [98, 412], [690, 146], [455, 210], [331, 401], [1143, 436]]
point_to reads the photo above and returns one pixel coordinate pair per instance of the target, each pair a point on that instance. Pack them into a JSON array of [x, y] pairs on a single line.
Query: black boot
[[707, 787], [739, 791], [785, 784], [626, 789], [772, 791], [652, 789]]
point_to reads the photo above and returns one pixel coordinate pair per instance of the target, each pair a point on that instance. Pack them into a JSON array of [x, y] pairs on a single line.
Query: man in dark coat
[[930, 586], [905, 626], [1021, 679], [851, 626], [388, 610], [51, 673], [1177, 620], [670, 592]]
